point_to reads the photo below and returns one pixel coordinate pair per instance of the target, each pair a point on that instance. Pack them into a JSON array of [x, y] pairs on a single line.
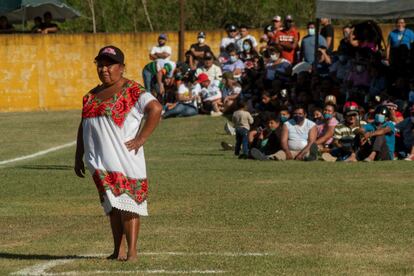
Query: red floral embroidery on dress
[[119, 184], [116, 107]]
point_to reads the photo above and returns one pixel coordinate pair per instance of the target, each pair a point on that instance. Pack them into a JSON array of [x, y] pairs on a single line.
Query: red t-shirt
[[287, 38]]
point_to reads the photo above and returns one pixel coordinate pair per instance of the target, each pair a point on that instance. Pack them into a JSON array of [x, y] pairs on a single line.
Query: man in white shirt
[[213, 71], [232, 37], [244, 34], [161, 51], [298, 138]]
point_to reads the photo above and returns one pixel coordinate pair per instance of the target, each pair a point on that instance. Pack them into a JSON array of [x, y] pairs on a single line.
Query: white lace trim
[[124, 203]]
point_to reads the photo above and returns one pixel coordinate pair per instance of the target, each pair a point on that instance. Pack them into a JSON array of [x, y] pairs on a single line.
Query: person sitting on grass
[[346, 136], [185, 104], [268, 140], [326, 129], [242, 120], [406, 129], [378, 141], [210, 94], [231, 92], [298, 137]]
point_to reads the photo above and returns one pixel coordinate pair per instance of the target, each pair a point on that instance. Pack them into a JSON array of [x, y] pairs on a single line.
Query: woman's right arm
[[79, 165]]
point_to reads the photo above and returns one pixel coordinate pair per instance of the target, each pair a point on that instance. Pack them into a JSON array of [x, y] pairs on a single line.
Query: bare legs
[[124, 225]]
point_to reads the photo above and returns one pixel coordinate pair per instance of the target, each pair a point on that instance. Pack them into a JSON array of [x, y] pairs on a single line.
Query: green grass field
[[210, 210]]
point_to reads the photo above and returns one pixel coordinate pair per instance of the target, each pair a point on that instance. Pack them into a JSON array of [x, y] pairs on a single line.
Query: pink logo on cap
[[110, 51]]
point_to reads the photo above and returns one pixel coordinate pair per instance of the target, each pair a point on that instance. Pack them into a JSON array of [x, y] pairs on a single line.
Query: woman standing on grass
[[109, 139]]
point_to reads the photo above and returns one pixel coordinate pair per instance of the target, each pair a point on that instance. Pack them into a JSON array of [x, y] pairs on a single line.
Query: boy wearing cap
[[161, 51], [277, 23], [210, 93], [197, 51], [344, 137]]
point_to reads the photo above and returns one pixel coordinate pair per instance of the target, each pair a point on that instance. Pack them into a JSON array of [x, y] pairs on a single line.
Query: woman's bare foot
[[132, 258], [117, 256]]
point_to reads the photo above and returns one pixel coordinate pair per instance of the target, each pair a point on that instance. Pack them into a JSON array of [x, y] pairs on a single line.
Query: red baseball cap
[[202, 78]]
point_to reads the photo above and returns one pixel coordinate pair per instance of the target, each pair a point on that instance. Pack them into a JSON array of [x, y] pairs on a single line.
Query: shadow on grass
[[42, 256], [45, 167]]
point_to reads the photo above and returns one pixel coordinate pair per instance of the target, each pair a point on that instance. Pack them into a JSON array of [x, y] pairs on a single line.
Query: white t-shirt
[[184, 90], [298, 135], [226, 41], [161, 49], [233, 91], [214, 72], [211, 93], [242, 39]]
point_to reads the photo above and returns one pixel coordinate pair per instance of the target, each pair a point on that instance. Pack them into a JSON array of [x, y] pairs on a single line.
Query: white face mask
[[274, 57], [201, 40], [233, 59], [311, 31], [359, 68]]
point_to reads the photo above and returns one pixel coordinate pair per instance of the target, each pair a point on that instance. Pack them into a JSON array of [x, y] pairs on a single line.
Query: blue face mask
[[327, 116], [379, 118], [283, 119], [233, 59], [246, 47]]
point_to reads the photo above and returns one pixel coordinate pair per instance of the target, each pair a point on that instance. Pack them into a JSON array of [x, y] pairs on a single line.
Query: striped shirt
[[342, 130]]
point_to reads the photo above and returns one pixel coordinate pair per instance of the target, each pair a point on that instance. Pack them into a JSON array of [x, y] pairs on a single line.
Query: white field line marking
[[154, 271], [40, 269], [39, 153]]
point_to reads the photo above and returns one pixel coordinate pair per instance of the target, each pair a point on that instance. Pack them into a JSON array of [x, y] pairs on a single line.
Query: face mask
[[327, 116], [360, 68], [246, 47], [233, 59], [272, 129], [298, 119], [161, 43], [311, 31], [201, 40], [274, 57], [379, 118], [288, 25], [283, 119]]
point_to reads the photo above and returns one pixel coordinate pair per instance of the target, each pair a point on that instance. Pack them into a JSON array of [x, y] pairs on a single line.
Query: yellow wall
[[53, 72]]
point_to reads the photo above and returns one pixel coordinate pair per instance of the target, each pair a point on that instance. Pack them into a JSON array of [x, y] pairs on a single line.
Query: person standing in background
[[328, 32]]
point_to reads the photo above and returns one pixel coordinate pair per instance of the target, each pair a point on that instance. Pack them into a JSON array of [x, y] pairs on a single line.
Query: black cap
[[201, 35], [231, 28], [112, 53], [383, 110]]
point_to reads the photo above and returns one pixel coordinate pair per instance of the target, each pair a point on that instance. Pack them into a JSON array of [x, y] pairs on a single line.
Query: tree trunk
[[92, 7], [144, 4]]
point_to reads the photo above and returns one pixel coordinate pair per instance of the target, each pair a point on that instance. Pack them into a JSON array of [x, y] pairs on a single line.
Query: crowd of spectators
[[350, 105], [355, 102]]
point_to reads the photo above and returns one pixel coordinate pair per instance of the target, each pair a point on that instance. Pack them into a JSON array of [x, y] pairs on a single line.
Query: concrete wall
[[53, 72]]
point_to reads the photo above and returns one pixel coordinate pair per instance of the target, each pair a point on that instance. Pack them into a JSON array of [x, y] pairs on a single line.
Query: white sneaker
[[410, 157], [326, 156], [229, 129], [216, 114]]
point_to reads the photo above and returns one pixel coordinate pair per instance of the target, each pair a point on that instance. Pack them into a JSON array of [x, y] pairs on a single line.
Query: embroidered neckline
[[117, 107]]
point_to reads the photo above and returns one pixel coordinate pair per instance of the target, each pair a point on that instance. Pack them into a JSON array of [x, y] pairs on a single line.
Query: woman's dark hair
[[369, 31]]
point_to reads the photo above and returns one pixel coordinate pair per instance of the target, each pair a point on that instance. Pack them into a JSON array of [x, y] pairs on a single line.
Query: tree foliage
[[129, 16]]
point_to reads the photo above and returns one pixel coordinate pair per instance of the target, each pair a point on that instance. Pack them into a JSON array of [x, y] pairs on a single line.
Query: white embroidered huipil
[[119, 174]]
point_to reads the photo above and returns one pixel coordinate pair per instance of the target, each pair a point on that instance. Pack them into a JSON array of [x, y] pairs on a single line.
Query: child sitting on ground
[[242, 121], [267, 141]]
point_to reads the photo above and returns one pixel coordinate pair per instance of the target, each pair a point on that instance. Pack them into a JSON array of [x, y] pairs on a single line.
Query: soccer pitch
[[210, 213]]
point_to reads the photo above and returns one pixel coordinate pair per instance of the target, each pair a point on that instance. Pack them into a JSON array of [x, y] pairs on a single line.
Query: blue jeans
[[147, 77], [181, 110], [241, 141]]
